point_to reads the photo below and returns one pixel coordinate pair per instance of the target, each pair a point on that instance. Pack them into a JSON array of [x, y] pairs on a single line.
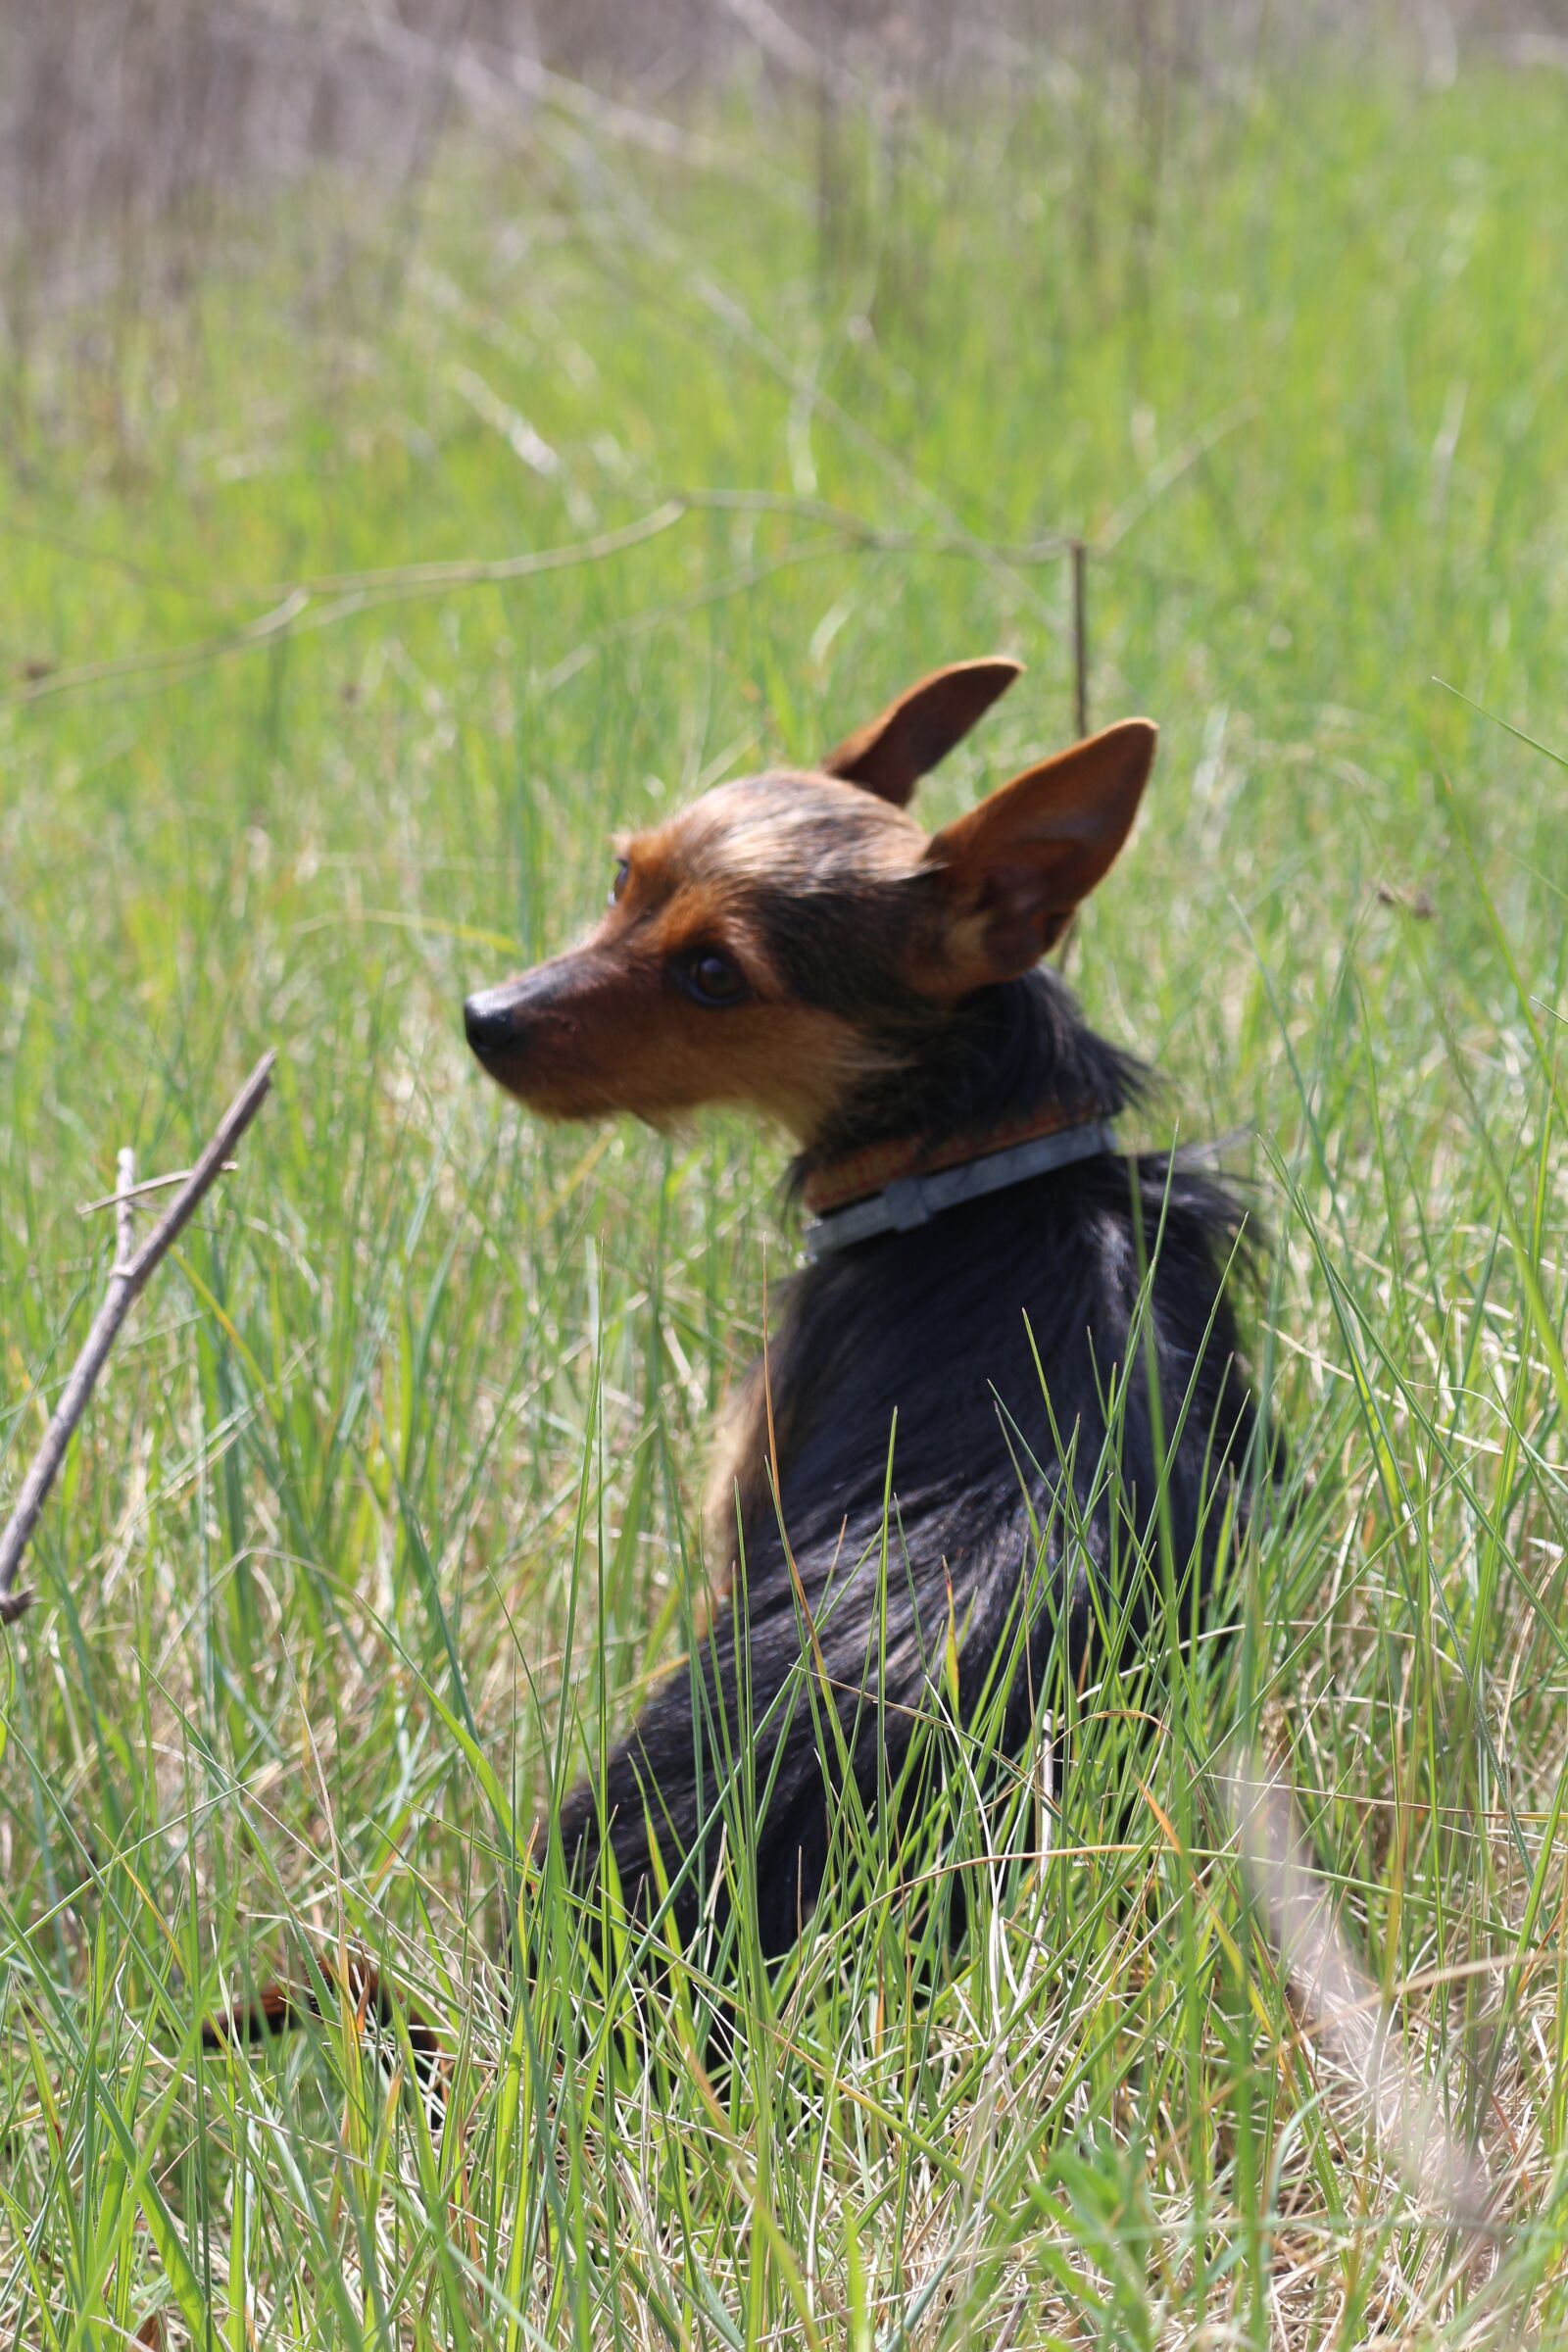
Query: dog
[[923, 1497], [984, 1267]]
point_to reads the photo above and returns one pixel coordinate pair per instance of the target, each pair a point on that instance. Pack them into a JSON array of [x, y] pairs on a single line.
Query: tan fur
[[608, 1031], [628, 1046], [744, 1466], [623, 1039]]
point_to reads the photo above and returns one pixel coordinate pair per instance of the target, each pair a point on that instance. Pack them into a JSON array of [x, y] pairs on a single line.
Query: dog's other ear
[[890, 755], [1014, 868]]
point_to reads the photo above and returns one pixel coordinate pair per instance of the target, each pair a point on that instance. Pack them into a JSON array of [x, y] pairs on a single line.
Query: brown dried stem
[[127, 1279]]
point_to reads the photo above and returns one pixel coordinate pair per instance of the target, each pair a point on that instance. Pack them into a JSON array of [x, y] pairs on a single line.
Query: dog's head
[[795, 935]]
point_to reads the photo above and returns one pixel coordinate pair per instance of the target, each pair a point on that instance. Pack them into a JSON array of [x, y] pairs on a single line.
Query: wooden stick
[[139, 1191], [127, 1278], [1080, 637], [125, 1189]]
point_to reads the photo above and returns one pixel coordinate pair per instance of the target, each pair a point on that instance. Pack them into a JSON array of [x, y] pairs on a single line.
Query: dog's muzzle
[[491, 1022]]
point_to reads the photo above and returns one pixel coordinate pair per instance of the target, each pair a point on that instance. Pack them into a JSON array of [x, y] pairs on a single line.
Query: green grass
[[385, 1509]]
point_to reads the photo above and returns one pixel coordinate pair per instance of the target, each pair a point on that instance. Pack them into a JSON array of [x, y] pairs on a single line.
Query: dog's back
[[1004, 1405]]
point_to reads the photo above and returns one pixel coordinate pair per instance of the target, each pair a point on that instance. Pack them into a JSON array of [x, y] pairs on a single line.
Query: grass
[[385, 1509]]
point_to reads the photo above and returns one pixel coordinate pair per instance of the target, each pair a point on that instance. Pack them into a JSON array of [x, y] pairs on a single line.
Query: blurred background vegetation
[[125, 124]]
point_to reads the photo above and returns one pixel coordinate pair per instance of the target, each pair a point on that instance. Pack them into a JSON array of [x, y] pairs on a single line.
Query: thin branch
[[1080, 637], [1348, 2017], [171, 657], [127, 1279], [124, 1209], [130, 1190], [139, 1191], [421, 579], [1041, 550], [321, 603], [354, 591]]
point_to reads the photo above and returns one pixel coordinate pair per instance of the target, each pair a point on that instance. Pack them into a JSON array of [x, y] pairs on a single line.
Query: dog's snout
[[490, 1021]]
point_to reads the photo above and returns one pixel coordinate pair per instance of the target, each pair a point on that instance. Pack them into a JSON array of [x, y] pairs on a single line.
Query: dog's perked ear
[[1013, 870], [891, 752]]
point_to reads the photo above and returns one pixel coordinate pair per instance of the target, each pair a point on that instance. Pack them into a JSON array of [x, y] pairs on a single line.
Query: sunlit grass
[[386, 1510]]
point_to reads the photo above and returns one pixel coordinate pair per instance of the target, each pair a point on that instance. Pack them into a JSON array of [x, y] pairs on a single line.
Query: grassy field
[[386, 1505]]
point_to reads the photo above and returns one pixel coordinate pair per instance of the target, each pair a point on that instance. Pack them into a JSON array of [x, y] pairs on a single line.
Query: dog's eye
[[710, 977], [622, 876]]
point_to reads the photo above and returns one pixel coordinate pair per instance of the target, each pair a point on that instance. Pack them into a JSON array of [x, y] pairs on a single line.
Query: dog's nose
[[489, 1020]]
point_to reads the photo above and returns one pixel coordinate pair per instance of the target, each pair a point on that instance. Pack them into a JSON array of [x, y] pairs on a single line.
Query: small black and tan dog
[[984, 1269], [987, 1271]]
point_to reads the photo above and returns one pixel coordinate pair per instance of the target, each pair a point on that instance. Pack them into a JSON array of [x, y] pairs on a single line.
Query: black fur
[[941, 1327]]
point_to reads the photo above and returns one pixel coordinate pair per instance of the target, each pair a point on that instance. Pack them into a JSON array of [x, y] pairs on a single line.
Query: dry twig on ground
[[127, 1279]]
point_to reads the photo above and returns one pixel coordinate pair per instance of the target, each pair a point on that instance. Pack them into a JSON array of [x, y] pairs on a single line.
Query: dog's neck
[[1014, 1062], [1002, 1147]]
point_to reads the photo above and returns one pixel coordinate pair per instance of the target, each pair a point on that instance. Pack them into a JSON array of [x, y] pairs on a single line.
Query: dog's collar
[[891, 1188]]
